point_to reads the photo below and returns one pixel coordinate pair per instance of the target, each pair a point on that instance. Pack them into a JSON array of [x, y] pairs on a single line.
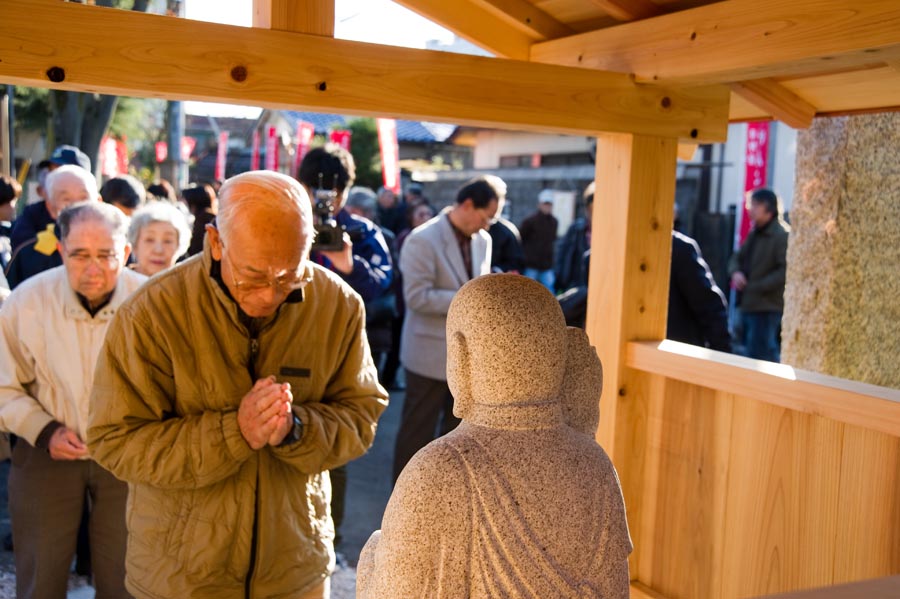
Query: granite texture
[[519, 501], [842, 298]]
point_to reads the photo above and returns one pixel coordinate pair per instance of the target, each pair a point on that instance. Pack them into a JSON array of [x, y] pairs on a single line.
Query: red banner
[[162, 151], [221, 156], [757, 159], [390, 153], [271, 149], [305, 133], [341, 138], [254, 153]]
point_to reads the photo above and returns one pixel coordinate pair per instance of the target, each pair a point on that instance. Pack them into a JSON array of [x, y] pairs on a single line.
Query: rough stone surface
[[519, 501], [842, 299]]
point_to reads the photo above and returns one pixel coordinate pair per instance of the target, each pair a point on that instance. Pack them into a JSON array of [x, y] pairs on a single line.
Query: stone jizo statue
[[519, 501]]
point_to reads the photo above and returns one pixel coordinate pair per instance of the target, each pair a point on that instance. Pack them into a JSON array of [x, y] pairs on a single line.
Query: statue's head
[[506, 344]]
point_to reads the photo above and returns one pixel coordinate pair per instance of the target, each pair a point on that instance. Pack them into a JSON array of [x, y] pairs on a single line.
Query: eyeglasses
[[106, 260], [284, 282]]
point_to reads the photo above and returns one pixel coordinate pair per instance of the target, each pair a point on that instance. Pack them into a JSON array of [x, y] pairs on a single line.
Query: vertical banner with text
[[221, 156], [390, 153], [757, 159], [271, 149], [305, 133], [254, 153]]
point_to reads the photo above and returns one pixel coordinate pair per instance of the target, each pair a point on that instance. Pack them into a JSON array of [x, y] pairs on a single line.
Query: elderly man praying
[[228, 387]]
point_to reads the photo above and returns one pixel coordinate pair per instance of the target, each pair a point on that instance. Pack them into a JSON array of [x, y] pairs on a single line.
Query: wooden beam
[[687, 151], [307, 16], [737, 40], [86, 48], [859, 404], [895, 64], [628, 295], [629, 10], [472, 21], [528, 17], [778, 101]]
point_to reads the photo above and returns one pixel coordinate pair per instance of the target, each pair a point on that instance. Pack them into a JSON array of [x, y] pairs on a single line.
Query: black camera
[[329, 234]]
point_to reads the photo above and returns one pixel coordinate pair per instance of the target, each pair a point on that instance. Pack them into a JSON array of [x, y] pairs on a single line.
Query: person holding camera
[[350, 245], [347, 244]]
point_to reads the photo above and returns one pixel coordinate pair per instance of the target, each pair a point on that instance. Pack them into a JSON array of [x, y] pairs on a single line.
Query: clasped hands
[[264, 415]]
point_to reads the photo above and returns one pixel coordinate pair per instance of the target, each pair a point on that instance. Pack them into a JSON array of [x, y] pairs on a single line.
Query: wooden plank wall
[[743, 498]]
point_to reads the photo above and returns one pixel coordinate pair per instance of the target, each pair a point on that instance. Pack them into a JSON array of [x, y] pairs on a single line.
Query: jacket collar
[[72, 305]]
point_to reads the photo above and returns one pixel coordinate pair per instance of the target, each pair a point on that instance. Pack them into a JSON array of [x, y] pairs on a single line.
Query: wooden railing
[[758, 478]]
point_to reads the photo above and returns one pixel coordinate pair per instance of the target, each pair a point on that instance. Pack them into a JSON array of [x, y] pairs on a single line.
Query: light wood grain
[[737, 40], [628, 10], [867, 406], [631, 244], [777, 101], [470, 20], [529, 18], [642, 591], [122, 52], [305, 16]]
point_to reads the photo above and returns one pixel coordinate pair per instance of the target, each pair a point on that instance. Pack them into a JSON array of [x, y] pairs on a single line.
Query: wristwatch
[[295, 434]]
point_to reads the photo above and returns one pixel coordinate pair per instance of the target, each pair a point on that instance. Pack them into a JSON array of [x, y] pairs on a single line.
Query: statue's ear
[[459, 374]]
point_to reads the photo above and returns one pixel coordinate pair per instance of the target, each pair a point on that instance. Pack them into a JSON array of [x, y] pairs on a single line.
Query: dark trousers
[[761, 332], [338, 494], [427, 400], [45, 503]]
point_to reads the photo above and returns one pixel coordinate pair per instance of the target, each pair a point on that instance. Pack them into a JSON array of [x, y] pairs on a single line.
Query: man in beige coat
[[52, 329], [227, 387], [437, 259]]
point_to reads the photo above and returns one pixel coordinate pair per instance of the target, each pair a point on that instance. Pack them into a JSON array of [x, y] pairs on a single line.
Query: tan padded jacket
[[207, 515]]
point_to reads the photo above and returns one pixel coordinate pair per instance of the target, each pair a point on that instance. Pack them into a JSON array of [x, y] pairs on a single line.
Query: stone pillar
[[842, 299]]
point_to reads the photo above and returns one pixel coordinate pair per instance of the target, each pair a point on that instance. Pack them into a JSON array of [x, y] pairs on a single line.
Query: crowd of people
[[208, 394]]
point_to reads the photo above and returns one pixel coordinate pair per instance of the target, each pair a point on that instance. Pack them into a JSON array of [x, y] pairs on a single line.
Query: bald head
[[506, 341], [270, 206], [68, 185]]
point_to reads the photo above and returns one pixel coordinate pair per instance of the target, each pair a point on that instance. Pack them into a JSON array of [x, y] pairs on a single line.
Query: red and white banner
[[254, 152], [109, 161], [390, 153], [757, 160], [162, 150], [341, 138], [221, 156], [187, 147], [271, 149], [305, 133]]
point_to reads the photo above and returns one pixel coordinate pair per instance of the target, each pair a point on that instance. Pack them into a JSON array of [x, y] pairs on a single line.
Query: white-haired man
[[51, 330], [227, 387], [65, 185]]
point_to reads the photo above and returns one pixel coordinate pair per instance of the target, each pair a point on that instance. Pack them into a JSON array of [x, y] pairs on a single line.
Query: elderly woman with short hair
[[159, 235]]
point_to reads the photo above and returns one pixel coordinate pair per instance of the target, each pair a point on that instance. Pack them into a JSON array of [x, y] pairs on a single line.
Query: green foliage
[[364, 147], [32, 108]]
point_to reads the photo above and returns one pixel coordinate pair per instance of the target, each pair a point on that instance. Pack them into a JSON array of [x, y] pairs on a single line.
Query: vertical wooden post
[[628, 293], [301, 16]]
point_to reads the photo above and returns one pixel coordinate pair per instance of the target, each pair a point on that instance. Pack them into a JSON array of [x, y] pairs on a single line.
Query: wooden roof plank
[[629, 10], [310, 16], [472, 21], [86, 48], [738, 40], [529, 17], [778, 101]]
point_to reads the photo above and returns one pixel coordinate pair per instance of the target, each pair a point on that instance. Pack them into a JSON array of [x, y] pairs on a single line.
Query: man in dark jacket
[[506, 255], [758, 273], [571, 264], [697, 307], [538, 238]]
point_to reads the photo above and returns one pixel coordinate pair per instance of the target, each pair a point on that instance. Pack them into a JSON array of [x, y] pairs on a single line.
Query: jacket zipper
[[251, 366]]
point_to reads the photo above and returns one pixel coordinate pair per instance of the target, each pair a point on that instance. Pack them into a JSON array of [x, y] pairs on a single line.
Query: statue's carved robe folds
[[492, 512]]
